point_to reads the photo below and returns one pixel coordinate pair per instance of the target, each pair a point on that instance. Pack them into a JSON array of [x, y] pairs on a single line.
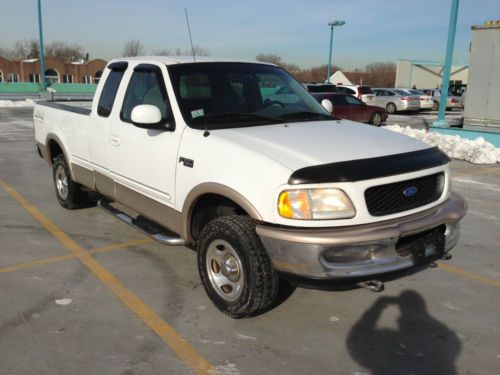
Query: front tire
[[234, 267], [376, 119], [69, 193]]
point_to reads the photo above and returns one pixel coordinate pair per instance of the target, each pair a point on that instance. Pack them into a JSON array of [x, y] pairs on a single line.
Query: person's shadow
[[420, 345]]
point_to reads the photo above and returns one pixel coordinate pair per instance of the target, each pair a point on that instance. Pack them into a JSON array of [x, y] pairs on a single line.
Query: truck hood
[[304, 144]]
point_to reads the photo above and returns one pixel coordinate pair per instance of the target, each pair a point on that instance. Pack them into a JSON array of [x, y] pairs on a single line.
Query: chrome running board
[[146, 226]]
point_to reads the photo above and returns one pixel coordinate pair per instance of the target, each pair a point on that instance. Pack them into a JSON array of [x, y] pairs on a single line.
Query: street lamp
[[452, 27], [42, 57], [332, 24]]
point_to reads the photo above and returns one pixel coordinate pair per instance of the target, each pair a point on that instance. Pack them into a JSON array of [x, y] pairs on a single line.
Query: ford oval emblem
[[410, 191]]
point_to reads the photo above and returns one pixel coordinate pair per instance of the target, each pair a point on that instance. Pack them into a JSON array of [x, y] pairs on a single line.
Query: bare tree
[[314, 74], [133, 48], [270, 58], [64, 51], [198, 51], [380, 74], [30, 49]]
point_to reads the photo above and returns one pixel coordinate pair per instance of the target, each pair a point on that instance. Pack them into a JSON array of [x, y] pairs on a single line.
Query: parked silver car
[[426, 101], [453, 101], [394, 100]]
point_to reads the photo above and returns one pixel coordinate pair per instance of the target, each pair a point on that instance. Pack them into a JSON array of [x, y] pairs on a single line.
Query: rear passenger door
[[143, 161], [102, 114], [357, 109], [382, 98], [340, 107]]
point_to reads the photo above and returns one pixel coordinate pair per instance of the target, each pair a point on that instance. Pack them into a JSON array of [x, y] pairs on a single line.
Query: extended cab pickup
[[202, 154]]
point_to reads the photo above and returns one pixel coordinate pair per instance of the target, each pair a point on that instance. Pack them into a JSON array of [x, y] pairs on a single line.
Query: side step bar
[[146, 226]]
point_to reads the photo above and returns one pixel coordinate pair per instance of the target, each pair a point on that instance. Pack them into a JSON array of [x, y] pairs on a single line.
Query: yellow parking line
[[469, 275], [484, 202], [60, 258], [167, 333]]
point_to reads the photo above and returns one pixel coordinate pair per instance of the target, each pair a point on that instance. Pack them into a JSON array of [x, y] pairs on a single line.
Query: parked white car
[[362, 92], [259, 189], [452, 101]]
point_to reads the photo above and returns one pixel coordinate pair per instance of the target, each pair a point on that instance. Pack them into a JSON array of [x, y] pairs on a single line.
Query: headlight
[[315, 204]]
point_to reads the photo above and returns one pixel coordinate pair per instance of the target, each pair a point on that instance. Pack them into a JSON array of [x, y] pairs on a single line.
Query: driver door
[[142, 160]]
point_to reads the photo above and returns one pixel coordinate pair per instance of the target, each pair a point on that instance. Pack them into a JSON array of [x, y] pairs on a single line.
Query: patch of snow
[[476, 151], [245, 337], [17, 103], [226, 369], [63, 301], [450, 306]]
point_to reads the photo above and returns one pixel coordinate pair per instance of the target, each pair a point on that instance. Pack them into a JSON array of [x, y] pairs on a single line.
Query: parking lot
[[83, 293]]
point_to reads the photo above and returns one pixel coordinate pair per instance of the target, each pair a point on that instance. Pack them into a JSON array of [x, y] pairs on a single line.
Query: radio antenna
[[189, 31]]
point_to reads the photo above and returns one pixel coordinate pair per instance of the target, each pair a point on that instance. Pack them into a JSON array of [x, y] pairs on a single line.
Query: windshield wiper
[[238, 115], [305, 115]]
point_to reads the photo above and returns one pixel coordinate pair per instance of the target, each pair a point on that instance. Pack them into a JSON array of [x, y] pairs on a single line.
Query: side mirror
[[327, 104], [146, 115]]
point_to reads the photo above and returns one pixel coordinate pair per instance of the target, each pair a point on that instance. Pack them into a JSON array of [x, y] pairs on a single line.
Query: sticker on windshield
[[197, 113]]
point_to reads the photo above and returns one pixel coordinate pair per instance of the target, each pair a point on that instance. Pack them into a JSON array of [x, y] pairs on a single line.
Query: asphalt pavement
[[83, 293]]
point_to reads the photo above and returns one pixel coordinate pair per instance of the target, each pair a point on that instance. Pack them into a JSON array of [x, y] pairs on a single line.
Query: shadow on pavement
[[420, 344]]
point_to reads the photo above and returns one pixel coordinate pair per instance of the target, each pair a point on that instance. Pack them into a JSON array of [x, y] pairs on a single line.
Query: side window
[[351, 100], [390, 93], [109, 90], [339, 99], [146, 87]]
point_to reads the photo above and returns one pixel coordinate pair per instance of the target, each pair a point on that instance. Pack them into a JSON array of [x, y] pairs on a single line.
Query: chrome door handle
[[114, 140]]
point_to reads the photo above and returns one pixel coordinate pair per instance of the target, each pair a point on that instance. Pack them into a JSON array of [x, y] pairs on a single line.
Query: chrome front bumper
[[362, 250]]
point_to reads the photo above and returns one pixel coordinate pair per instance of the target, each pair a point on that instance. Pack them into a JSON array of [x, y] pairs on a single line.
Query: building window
[[97, 76], [51, 76], [87, 79], [67, 78], [34, 77], [13, 77]]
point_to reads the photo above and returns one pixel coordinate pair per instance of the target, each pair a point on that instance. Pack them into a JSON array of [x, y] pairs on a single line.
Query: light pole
[[447, 64], [42, 57], [332, 25]]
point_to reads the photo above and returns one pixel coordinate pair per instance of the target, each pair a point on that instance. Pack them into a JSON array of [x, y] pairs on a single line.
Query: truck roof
[[170, 60]]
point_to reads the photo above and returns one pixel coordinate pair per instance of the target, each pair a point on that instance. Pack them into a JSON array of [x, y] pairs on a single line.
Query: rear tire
[[376, 119], [234, 267], [69, 193], [391, 108]]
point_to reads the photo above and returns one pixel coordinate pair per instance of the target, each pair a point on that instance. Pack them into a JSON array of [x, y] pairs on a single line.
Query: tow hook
[[375, 286]]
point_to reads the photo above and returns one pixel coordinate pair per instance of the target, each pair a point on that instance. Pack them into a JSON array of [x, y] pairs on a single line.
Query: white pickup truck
[[199, 155]]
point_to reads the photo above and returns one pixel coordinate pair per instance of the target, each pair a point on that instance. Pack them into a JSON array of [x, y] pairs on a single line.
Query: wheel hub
[[61, 182], [225, 271]]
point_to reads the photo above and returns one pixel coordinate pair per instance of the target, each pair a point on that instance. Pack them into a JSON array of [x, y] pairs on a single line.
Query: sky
[[298, 31]]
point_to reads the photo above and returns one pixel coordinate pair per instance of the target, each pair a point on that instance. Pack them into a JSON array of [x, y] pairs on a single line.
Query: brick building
[[56, 71]]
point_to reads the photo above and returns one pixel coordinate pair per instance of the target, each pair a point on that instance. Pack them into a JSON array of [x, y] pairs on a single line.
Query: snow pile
[[17, 103], [476, 151]]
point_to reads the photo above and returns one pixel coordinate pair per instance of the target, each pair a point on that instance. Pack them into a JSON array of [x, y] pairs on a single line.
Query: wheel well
[[209, 207], [54, 150]]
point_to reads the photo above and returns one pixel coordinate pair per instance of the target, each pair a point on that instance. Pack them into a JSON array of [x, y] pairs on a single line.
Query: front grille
[[391, 198]]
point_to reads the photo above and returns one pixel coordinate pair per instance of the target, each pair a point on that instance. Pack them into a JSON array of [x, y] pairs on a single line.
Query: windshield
[[218, 95]]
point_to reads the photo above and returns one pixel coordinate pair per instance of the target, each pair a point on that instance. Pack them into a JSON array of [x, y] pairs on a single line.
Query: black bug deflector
[[366, 169]]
